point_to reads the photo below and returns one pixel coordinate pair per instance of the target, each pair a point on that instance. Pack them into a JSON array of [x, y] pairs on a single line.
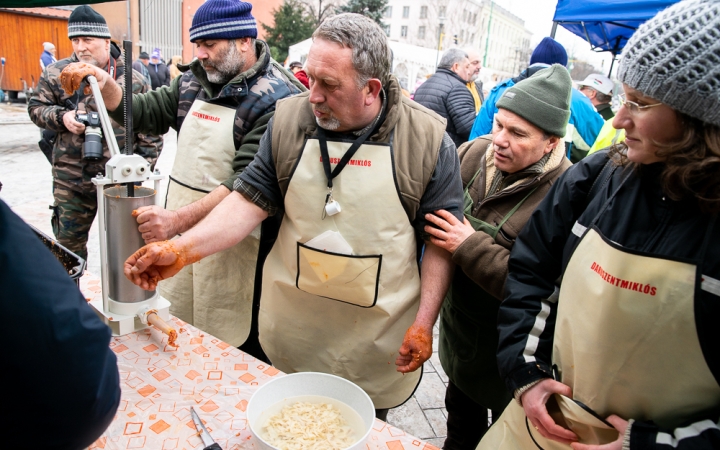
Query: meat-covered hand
[[156, 262], [415, 350], [448, 232], [73, 74], [156, 223]]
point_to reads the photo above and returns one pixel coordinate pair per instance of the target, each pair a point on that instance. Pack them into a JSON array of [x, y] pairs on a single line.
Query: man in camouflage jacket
[[75, 195], [220, 106]]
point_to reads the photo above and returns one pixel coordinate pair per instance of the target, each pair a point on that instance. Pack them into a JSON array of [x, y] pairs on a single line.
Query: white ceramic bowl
[[271, 397]]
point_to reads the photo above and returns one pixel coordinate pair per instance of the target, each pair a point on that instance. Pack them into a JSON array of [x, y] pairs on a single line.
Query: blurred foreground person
[[61, 378], [626, 354]]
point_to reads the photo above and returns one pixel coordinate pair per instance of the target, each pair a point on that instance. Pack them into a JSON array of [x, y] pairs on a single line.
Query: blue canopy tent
[[606, 24]]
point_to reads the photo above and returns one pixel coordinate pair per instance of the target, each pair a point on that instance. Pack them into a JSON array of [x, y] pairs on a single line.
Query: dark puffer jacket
[[446, 94]]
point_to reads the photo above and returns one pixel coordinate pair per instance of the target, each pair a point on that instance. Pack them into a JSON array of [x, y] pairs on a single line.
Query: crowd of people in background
[[569, 249]]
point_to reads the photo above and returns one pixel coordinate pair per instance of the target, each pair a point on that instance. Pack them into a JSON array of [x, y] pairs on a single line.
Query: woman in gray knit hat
[[625, 352]]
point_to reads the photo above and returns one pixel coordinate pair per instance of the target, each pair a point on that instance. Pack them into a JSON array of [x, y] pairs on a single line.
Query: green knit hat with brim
[[543, 99]]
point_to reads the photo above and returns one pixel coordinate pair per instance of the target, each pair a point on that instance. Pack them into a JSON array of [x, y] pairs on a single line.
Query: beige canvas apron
[[214, 294], [336, 313], [626, 343]]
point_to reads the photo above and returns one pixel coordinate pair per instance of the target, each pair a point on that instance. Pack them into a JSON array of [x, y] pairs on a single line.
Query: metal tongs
[[207, 440]]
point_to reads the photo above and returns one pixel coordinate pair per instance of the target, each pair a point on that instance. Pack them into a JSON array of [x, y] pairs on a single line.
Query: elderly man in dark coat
[[446, 93]]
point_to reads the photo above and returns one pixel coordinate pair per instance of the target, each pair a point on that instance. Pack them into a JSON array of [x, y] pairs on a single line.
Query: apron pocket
[[351, 279], [581, 420]]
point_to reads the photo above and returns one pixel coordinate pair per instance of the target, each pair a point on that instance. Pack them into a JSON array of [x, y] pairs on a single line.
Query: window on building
[[472, 38], [464, 17], [441, 12], [406, 12], [403, 31], [462, 35], [474, 21], [423, 12], [387, 30], [388, 12], [421, 32]]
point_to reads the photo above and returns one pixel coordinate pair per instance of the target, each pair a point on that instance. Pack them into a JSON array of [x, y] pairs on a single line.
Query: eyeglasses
[[632, 107]]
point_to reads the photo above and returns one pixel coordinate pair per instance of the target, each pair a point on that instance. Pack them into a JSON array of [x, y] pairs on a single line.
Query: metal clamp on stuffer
[[124, 307]]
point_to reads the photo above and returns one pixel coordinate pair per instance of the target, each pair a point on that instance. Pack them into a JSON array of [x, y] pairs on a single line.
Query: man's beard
[[90, 59], [229, 64], [331, 123]]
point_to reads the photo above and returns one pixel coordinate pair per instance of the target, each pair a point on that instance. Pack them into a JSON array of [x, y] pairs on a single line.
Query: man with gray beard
[[354, 168], [220, 106]]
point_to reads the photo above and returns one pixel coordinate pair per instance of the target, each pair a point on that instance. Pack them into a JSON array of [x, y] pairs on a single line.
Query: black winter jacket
[[57, 363], [159, 75], [640, 218], [448, 95]]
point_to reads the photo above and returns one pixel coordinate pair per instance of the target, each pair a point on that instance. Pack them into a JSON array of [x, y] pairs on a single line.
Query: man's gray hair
[[370, 50], [451, 57]]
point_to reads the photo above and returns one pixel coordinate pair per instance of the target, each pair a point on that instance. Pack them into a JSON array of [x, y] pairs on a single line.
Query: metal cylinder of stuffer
[[123, 239]]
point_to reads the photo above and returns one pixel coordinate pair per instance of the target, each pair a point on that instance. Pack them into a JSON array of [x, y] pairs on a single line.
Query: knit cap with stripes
[[86, 22], [223, 19]]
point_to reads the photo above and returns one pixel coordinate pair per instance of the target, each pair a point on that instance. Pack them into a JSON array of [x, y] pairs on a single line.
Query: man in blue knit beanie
[[220, 106]]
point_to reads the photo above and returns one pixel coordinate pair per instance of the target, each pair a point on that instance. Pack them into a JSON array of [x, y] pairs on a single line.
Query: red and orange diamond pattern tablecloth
[[160, 383]]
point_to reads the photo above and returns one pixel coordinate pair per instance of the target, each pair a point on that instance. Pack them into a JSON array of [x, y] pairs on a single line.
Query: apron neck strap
[[512, 211], [348, 154], [472, 180], [708, 232]]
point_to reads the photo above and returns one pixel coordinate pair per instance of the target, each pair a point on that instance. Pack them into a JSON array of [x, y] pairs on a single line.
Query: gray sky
[[538, 15]]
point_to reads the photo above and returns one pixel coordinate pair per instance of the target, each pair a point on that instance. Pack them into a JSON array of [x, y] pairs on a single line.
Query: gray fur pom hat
[[675, 58]]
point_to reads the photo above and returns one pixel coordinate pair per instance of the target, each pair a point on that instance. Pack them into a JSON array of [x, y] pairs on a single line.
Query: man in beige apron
[[341, 288], [505, 175], [220, 107]]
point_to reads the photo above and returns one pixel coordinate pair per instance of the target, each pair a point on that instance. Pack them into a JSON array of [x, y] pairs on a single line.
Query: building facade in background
[[499, 35]]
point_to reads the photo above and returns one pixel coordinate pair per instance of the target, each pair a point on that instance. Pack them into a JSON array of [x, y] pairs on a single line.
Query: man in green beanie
[[505, 176]]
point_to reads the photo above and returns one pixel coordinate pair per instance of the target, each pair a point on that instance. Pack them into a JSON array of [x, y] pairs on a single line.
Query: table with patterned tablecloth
[[160, 383]]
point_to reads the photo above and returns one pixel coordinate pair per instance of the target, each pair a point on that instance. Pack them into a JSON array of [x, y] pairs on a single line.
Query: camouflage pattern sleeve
[[46, 108]]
